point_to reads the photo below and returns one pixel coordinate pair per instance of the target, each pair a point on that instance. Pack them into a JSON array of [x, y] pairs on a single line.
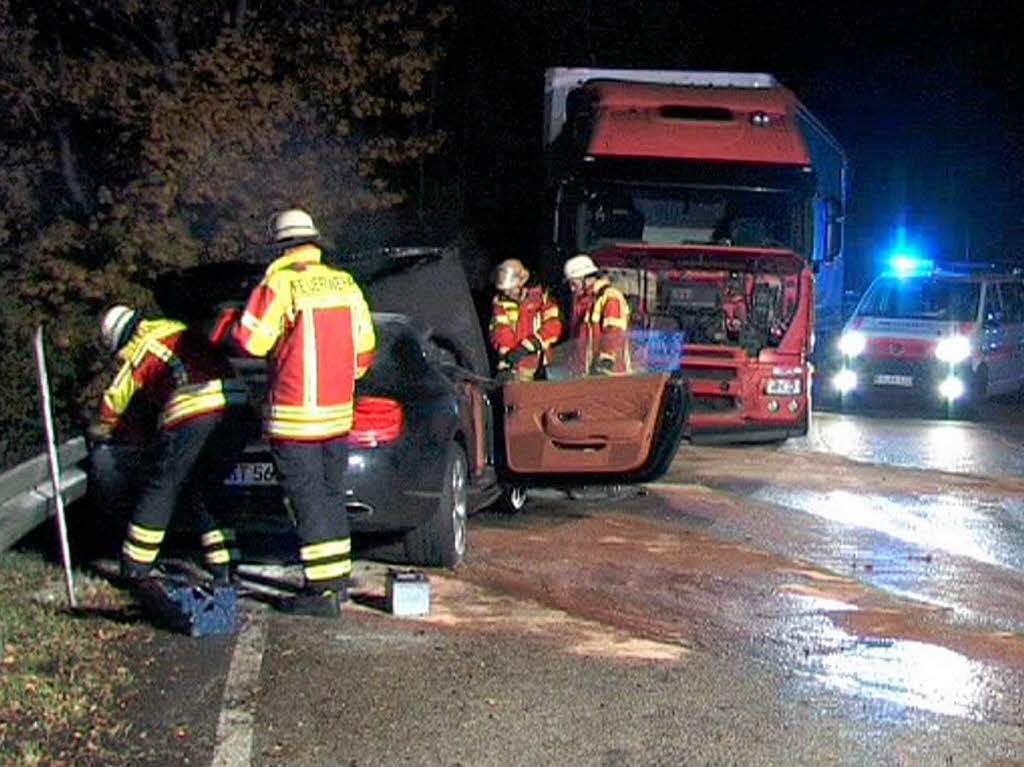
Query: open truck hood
[[745, 298]]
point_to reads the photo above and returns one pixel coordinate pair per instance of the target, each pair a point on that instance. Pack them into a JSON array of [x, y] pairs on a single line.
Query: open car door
[[593, 430]]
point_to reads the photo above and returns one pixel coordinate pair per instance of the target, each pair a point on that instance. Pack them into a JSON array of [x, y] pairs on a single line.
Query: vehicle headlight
[[953, 349], [852, 343], [845, 381], [952, 388]]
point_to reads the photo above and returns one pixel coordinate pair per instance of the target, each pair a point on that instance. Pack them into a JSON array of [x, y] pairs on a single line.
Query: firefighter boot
[[223, 575], [131, 574], [319, 604]]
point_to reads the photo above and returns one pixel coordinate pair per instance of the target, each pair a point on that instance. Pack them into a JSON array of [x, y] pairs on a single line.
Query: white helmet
[[510, 275], [578, 267], [293, 227], [114, 327]]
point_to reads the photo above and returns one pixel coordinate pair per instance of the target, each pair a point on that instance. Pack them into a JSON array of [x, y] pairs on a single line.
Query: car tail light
[[375, 421]]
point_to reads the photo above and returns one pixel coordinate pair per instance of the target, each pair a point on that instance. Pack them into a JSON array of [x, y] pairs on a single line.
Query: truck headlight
[[953, 349], [852, 343], [783, 386]]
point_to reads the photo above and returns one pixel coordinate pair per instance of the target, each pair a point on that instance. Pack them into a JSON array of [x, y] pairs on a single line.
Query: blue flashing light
[[909, 265]]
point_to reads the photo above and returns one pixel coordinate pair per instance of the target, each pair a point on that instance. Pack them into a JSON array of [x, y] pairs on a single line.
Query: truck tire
[[441, 540]]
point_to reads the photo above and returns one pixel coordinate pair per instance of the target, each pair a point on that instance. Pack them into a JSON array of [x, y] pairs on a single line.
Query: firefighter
[[600, 317], [313, 324], [525, 322], [201, 430]]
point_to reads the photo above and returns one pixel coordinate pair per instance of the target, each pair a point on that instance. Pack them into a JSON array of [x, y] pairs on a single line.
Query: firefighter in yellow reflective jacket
[[313, 324], [600, 319], [202, 429], [525, 322]]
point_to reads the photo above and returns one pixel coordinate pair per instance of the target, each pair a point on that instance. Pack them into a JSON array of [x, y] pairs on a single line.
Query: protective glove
[[100, 432], [516, 355]]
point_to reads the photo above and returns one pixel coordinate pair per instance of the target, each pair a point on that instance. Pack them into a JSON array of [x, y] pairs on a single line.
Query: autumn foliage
[[138, 136]]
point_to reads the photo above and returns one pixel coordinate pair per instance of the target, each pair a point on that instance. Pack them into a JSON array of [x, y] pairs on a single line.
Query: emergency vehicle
[[951, 335]]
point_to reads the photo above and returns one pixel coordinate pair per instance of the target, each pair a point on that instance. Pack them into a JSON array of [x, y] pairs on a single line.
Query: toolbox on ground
[[188, 607]]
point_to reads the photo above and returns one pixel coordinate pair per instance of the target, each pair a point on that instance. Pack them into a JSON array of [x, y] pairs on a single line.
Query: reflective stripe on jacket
[[176, 370], [313, 323], [600, 322], [535, 323]]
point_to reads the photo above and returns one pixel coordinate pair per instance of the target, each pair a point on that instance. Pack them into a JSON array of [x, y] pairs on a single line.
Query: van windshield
[[921, 298]]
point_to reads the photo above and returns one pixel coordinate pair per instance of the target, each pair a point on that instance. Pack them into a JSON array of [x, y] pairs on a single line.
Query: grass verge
[[61, 673]]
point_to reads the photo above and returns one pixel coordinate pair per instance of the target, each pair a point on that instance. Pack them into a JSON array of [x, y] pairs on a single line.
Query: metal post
[[51, 452]]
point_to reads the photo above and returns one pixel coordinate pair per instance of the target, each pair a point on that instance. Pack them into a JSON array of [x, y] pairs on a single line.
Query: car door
[[1012, 295], [604, 429], [993, 335]]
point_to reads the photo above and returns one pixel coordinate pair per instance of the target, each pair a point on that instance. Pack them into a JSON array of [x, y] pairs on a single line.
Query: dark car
[[435, 438]]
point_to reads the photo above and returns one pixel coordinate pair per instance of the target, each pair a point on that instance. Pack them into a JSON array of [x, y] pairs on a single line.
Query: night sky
[[923, 98]]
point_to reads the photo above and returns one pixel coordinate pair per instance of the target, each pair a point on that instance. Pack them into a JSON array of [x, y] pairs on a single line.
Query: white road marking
[[234, 728]]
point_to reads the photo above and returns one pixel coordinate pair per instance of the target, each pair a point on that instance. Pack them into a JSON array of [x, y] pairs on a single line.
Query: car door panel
[[616, 428], [1012, 293]]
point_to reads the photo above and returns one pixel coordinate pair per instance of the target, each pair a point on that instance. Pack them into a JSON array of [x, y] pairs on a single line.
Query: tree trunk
[[69, 169], [238, 17]]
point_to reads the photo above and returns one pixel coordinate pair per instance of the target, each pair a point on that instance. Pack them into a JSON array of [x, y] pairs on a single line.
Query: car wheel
[[979, 386], [977, 393], [969, 405], [441, 540], [513, 498]]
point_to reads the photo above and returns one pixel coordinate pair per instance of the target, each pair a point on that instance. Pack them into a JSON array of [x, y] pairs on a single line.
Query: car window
[[993, 306], [640, 352], [398, 361], [1012, 294], [921, 298]]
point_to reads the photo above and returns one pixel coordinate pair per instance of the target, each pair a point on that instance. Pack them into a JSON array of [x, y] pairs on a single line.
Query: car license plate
[[891, 380], [254, 473]]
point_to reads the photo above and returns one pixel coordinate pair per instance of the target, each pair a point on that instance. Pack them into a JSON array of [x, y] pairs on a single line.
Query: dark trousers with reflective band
[[313, 477], [191, 459]]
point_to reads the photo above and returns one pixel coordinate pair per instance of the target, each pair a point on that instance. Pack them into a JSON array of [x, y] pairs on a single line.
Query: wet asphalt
[[852, 598]]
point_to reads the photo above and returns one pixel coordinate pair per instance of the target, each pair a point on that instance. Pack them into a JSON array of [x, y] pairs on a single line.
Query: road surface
[[805, 604]]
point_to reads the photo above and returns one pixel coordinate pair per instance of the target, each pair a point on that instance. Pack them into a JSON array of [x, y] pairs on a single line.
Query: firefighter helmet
[[578, 267], [293, 227], [510, 275], [116, 326]]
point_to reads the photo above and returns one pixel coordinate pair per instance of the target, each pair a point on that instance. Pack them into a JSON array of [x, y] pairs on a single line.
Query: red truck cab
[[713, 201]]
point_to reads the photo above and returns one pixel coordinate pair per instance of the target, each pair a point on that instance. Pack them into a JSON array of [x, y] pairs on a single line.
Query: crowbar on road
[[51, 452]]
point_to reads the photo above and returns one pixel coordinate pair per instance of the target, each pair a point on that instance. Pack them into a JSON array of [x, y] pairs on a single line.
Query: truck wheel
[[441, 540]]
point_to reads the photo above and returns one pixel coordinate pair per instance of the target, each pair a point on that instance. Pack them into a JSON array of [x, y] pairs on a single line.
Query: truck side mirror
[[834, 218]]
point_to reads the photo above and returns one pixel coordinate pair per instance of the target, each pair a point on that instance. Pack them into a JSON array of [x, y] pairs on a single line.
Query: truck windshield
[[921, 298], [693, 215]]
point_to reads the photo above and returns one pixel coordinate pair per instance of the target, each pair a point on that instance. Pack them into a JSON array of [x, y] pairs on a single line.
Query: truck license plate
[[250, 474], [891, 380]]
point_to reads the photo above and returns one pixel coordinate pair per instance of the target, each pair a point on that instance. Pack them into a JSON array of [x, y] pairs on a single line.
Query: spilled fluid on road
[[990, 531], [898, 673]]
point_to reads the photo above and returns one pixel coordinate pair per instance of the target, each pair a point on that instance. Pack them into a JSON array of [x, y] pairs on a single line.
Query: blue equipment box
[[189, 608]]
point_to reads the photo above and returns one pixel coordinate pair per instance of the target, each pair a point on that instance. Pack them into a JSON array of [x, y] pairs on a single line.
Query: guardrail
[[26, 492]]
